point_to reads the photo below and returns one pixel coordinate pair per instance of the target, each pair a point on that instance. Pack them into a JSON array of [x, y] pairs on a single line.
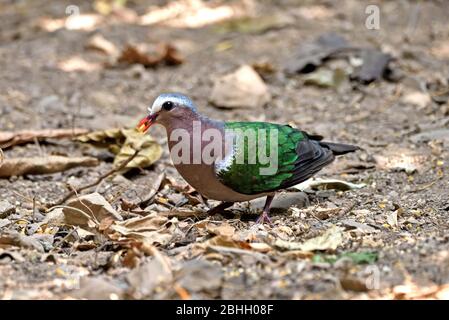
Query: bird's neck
[[192, 121], [187, 136]]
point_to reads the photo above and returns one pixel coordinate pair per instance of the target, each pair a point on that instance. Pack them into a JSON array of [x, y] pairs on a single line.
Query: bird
[[235, 169]]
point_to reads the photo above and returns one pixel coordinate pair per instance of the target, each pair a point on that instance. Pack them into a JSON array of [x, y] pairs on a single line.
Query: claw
[[264, 218]]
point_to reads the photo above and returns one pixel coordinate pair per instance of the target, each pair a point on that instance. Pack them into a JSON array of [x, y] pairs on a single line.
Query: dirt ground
[[388, 239]]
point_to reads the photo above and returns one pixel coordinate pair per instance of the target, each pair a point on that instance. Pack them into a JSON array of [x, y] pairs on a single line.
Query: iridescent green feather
[[245, 177]]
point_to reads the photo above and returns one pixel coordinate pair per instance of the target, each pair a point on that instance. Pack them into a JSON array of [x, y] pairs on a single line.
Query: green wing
[[248, 176]]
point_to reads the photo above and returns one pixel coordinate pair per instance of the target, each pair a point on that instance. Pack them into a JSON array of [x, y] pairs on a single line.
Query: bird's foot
[[203, 201], [264, 218]]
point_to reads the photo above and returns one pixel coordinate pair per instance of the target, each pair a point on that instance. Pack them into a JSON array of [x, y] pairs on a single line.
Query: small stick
[[90, 185]]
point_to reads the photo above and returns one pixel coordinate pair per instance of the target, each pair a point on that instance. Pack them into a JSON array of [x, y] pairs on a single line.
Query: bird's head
[[166, 107]]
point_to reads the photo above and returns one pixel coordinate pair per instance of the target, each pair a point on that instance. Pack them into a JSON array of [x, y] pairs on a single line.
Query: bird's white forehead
[[175, 98]]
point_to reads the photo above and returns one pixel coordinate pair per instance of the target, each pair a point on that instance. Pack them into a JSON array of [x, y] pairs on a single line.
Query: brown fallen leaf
[[88, 211], [124, 143], [353, 284], [221, 230], [182, 214], [411, 291], [14, 238], [9, 139], [226, 241], [260, 247], [101, 44], [329, 240], [42, 165], [152, 229], [254, 25], [165, 54]]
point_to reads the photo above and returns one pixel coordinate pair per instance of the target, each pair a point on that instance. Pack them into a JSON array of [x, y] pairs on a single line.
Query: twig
[[81, 212], [85, 206], [425, 186], [73, 192], [153, 191], [56, 246], [412, 22]]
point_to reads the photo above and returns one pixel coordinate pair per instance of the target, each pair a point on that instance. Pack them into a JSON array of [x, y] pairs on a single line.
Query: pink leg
[[266, 209]]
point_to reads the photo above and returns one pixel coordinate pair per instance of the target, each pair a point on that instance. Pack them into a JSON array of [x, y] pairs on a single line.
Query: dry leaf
[[13, 238], [224, 229], [152, 229], [260, 247], [329, 240], [9, 139], [400, 159], [43, 165], [88, 208], [352, 224], [255, 25], [165, 54], [392, 219], [411, 291], [226, 241], [325, 184], [124, 143], [325, 78], [192, 13], [100, 43]]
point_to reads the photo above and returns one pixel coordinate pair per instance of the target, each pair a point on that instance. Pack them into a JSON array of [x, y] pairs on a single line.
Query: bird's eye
[[168, 105]]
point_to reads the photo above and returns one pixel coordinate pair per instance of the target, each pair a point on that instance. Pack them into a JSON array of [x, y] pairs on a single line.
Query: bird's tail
[[339, 148]]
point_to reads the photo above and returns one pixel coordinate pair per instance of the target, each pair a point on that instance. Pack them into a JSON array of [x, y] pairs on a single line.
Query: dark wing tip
[[339, 148]]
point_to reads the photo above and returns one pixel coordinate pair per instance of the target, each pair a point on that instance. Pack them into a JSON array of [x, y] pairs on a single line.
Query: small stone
[[243, 88], [417, 98], [437, 134], [283, 201], [6, 209], [360, 226]]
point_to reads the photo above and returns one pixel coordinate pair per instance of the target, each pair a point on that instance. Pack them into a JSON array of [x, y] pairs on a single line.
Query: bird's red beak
[[146, 123]]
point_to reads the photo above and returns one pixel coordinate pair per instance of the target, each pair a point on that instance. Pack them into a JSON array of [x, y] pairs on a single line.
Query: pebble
[[6, 209]]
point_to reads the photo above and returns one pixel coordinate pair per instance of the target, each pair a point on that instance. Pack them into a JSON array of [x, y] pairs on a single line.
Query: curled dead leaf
[[43, 165], [325, 184], [88, 211], [14, 238], [165, 54], [329, 240], [9, 139], [221, 230], [152, 229], [124, 143]]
